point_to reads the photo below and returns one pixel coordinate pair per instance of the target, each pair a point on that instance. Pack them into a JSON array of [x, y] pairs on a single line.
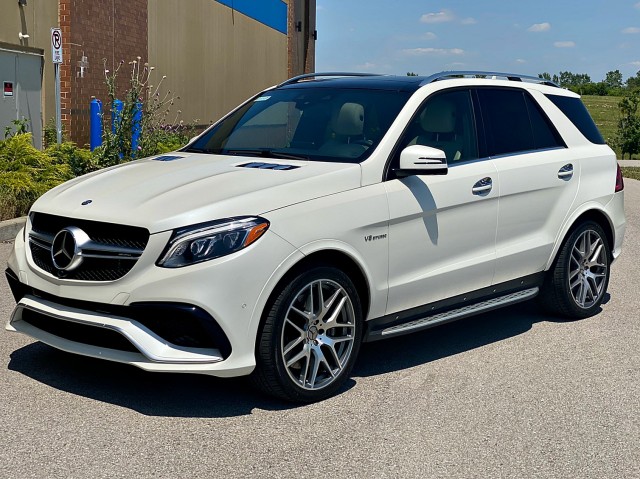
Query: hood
[[179, 189]]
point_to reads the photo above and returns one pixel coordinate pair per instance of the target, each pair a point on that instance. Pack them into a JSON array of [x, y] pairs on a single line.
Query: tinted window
[[506, 121], [445, 121], [318, 124], [575, 110], [544, 133]]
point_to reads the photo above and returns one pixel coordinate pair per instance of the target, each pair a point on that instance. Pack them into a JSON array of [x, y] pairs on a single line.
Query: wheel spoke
[[336, 312], [298, 328], [298, 357], [292, 345], [326, 307], [304, 314], [576, 282], [316, 366], [584, 288]]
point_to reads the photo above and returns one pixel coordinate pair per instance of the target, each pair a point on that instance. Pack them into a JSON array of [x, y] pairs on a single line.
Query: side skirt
[[452, 309]]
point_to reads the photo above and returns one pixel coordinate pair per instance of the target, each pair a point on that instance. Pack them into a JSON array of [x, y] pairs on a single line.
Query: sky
[[516, 36]]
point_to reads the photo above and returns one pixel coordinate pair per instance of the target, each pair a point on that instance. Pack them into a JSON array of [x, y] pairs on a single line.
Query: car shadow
[[187, 395], [422, 347]]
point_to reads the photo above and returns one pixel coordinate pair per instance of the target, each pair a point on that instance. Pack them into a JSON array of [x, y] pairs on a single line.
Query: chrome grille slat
[[110, 253]]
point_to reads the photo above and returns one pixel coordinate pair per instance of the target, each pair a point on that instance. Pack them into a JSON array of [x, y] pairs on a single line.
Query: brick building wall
[[100, 30]]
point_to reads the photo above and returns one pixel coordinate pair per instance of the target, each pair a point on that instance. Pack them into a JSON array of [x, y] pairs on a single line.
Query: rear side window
[[514, 122], [544, 133], [574, 109]]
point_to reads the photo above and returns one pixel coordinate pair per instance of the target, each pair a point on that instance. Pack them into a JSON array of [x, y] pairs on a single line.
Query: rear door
[[538, 180]]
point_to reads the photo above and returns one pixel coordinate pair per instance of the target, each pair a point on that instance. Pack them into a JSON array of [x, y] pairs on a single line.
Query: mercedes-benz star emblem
[[66, 250]]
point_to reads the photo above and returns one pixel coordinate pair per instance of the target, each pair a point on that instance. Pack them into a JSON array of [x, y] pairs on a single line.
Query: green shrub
[[80, 160], [25, 174]]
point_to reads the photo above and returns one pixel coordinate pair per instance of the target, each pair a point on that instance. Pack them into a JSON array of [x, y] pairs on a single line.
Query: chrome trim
[[306, 76], [111, 251], [134, 332], [462, 312], [450, 75]]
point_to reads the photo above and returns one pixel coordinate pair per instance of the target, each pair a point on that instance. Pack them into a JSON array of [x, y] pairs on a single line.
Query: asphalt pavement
[[512, 393]]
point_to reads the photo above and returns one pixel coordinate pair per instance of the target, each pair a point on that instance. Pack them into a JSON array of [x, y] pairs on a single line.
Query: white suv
[[329, 210]]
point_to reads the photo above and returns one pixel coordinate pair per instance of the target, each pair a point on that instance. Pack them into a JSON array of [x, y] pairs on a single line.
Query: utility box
[[21, 97]]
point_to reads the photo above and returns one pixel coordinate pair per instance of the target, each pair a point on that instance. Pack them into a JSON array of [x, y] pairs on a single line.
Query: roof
[[395, 82]]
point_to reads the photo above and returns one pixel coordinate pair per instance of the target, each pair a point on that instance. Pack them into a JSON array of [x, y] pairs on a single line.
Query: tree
[[613, 79], [575, 81], [628, 138], [634, 82], [545, 76], [411, 74]]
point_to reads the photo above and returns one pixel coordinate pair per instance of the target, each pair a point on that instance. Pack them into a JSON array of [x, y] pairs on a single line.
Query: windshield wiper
[[266, 153], [193, 149]]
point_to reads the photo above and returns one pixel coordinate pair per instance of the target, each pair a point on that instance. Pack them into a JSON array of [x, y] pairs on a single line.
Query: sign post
[[56, 55]]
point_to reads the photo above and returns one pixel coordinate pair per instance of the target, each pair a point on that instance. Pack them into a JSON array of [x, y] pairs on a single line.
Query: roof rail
[[493, 75], [298, 78]]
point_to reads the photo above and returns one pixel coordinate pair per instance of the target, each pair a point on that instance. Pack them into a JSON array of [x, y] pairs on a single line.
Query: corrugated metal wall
[[214, 56]]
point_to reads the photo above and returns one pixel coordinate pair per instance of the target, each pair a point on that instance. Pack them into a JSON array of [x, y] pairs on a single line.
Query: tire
[[305, 351], [577, 282]]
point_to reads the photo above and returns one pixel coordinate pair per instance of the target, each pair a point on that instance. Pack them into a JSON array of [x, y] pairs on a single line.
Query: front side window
[[317, 124], [445, 121]]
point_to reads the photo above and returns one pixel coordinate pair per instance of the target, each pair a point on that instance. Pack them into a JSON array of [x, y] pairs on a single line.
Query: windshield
[[317, 124]]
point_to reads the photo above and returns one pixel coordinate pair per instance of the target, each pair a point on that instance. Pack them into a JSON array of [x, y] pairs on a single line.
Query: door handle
[[566, 172], [482, 187]]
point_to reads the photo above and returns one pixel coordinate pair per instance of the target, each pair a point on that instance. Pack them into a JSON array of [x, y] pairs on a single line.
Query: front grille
[[79, 333], [110, 254]]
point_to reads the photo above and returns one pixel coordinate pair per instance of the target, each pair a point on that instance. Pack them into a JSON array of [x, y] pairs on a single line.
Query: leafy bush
[[25, 174], [628, 139], [80, 160]]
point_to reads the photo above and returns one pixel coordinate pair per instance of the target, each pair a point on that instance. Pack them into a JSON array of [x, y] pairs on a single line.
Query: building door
[[21, 79]]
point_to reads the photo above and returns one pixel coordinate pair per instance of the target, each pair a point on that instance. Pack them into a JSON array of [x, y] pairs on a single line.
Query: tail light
[[619, 180]]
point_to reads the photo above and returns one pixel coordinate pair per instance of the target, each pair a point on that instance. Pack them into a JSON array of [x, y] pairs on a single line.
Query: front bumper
[[120, 320]]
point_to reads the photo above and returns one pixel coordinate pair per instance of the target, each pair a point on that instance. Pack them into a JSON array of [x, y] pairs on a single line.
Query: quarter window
[[574, 109]]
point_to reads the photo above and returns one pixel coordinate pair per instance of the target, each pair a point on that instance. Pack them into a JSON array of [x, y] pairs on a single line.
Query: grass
[[631, 172], [604, 111]]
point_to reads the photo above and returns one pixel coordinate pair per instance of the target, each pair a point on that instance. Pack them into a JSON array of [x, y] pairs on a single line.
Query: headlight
[[205, 241]]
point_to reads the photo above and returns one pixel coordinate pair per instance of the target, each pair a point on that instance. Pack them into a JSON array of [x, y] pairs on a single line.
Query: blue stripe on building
[[272, 13]]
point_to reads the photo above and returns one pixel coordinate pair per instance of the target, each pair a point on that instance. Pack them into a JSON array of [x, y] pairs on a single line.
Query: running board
[[459, 313]]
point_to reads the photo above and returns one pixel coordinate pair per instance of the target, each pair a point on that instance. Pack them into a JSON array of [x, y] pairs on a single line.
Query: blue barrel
[[95, 135], [116, 113], [135, 128]]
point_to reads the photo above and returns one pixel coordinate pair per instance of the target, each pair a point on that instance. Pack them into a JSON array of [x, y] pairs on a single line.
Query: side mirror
[[422, 160]]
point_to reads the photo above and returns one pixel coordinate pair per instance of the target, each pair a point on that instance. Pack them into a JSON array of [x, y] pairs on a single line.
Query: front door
[[442, 228]]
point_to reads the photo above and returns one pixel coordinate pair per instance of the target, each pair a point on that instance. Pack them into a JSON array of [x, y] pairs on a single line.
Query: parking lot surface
[[511, 393]]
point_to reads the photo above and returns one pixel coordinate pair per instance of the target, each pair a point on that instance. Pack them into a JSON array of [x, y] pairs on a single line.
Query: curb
[[629, 162], [9, 229]]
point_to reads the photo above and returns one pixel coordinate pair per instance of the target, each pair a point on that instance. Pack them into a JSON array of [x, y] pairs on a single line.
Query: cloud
[[437, 17], [469, 21], [631, 30], [429, 36], [564, 44], [540, 27], [635, 64], [367, 66], [433, 51], [520, 60], [637, 5]]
